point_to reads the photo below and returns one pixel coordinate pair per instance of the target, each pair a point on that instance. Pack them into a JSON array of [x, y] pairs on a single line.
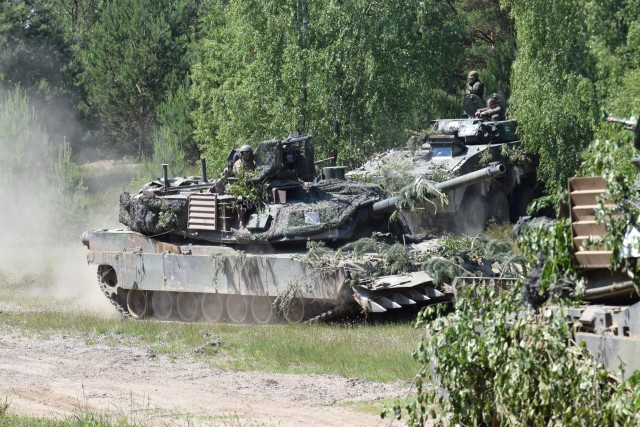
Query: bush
[[498, 361]]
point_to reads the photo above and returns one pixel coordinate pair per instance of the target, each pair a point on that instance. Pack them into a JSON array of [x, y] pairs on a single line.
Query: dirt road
[[63, 376]]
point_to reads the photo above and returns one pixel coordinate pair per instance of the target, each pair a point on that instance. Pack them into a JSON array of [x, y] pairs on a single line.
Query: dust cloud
[[42, 260]]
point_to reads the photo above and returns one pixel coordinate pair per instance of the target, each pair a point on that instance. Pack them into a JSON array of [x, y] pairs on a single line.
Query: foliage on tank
[[443, 258]]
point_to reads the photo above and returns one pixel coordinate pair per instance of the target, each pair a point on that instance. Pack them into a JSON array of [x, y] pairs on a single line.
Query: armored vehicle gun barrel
[[630, 125], [471, 178]]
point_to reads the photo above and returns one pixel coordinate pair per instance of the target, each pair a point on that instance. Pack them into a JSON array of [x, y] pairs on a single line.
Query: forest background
[[170, 81]]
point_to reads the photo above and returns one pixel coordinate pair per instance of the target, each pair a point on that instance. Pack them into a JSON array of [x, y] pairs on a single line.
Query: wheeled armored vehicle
[[237, 248], [455, 147]]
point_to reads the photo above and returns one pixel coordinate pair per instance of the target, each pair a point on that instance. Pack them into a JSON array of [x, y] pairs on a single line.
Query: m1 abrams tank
[[235, 248], [455, 147]]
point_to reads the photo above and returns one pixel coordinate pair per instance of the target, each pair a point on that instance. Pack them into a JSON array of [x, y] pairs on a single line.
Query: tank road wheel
[[212, 307], [498, 207], [162, 304], [237, 308], [137, 303], [261, 309], [295, 314], [187, 305]]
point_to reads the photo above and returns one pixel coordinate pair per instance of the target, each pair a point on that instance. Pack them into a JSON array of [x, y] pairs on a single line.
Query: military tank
[[455, 147], [236, 248]]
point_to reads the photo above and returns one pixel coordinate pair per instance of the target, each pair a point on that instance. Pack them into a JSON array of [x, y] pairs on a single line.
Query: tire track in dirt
[[63, 376]]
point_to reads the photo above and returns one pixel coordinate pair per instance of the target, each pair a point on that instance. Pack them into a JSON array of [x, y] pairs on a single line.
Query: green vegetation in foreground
[[80, 420], [87, 419], [374, 353]]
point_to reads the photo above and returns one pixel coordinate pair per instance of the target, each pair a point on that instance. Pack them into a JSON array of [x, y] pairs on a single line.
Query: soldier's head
[[473, 75], [492, 102], [246, 152]]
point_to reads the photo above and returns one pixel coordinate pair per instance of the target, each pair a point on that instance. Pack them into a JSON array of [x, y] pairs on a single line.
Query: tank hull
[[611, 333], [144, 277]]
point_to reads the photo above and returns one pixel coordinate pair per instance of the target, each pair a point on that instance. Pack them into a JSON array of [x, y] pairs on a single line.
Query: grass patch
[[368, 352], [369, 407], [501, 232]]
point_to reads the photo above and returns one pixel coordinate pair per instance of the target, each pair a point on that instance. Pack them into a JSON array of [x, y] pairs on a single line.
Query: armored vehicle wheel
[[137, 303], [237, 308], [471, 217], [295, 314], [520, 198], [261, 309], [162, 304], [498, 207], [187, 305], [212, 307]]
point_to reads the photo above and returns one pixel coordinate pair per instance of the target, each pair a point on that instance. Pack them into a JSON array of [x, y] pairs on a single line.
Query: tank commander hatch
[[493, 110], [474, 84], [246, 160]]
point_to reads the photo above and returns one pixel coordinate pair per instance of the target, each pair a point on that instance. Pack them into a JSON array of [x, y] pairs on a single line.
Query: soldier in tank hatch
[[492, 111], [474, 84], [246, 160]]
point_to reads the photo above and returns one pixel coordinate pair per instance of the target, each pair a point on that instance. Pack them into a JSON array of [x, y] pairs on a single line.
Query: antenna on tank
[[165, 171], [203, 164]]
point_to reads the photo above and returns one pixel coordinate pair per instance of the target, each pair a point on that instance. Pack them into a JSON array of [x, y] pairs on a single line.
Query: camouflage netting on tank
[[334, 201], [151, 215], [443, 258]]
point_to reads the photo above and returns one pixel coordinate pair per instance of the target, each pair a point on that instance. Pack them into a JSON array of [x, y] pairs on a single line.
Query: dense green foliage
[[521, 369], [186, 77], [355, 74], [135, 56]]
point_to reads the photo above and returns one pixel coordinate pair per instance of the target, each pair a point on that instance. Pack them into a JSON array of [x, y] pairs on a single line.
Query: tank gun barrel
[[489, 172], [627, 124], [328, 159], [630, 125]]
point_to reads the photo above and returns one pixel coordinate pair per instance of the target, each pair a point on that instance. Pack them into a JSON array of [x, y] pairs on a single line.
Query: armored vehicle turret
[[236, 248]]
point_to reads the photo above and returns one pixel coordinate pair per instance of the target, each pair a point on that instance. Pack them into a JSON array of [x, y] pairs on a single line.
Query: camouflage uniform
[[244, 162], [475, 85], [249, 165], [493, 110]]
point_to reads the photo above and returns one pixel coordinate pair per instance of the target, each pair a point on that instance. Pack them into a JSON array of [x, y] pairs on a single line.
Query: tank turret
[[607, 321]]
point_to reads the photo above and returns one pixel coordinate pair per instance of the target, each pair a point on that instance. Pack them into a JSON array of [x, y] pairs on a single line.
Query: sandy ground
[[63, 376]]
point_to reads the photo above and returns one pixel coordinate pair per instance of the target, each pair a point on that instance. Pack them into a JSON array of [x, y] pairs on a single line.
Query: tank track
[[335, 313], [116, 300], [110, 288]]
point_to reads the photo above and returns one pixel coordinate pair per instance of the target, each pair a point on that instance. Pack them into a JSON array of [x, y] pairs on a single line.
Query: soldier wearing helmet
[[246, 160], [493, 111], [474, 84]]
